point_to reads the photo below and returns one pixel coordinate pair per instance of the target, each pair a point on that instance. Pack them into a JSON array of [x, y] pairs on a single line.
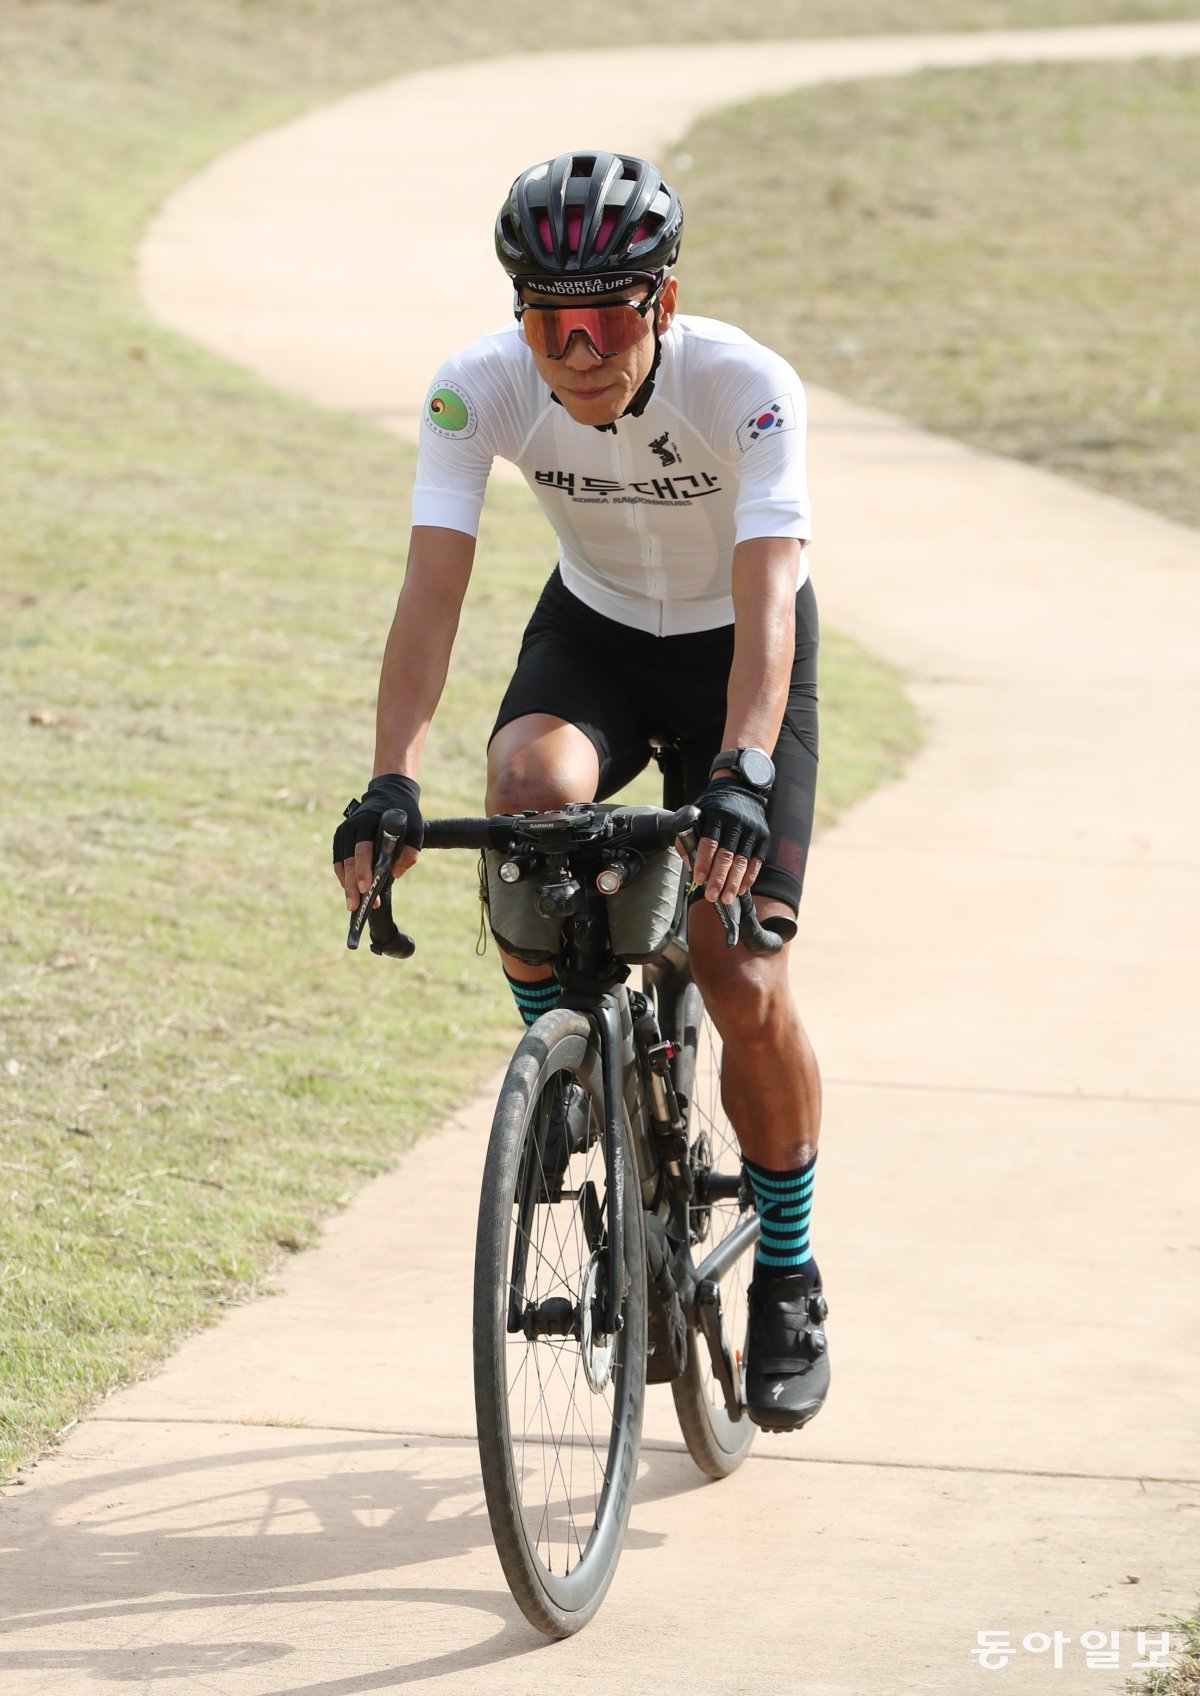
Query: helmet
[[598, 218]]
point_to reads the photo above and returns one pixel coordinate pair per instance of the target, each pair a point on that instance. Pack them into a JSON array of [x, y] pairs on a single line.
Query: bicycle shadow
[[191, 1550]]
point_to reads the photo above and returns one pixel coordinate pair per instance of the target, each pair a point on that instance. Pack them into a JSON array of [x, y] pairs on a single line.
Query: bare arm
[[764, 640], [764, 646], [416, 658], [416, 655]]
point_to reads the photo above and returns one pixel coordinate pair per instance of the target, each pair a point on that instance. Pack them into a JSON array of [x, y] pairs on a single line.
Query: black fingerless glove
[[735, 818], [360, 822]]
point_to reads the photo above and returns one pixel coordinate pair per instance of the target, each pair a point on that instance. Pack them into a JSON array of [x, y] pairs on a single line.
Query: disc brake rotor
[[595, 1347]]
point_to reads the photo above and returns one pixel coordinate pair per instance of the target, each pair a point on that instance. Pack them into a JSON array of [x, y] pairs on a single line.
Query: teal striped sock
[[784, 1202], [534, 999]]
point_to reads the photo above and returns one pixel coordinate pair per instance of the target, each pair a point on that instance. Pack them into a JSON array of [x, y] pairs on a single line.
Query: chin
[[605, 409]]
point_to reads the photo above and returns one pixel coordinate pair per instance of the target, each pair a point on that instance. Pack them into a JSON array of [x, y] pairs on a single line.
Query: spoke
[[543, 1405], [545, 1482], [571, 1480], [556, 1276]]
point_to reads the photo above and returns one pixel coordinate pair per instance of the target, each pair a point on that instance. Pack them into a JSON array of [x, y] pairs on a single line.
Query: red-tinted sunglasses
[[609, 330]]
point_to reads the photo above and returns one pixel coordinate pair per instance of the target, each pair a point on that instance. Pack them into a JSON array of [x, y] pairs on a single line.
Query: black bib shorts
[[622, 687]]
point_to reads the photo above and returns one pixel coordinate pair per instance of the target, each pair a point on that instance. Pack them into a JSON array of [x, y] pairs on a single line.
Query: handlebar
[[649, 832]]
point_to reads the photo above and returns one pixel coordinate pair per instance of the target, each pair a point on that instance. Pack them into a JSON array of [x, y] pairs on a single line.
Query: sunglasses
[[609, 330]]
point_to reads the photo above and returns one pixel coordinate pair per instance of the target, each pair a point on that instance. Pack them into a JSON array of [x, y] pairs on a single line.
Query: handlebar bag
[[642, 917]]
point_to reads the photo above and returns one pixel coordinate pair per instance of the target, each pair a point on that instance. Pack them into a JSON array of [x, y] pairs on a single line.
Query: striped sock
[[534, 999], [784, 1202]]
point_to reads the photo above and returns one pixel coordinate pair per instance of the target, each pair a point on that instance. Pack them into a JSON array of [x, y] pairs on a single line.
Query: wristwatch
[[751, 766]]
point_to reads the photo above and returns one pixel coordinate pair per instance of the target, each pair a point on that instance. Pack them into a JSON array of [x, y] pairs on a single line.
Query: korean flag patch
[[768, 420]]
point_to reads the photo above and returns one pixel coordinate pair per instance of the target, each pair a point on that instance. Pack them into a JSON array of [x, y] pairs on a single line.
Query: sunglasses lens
[[610, 329]]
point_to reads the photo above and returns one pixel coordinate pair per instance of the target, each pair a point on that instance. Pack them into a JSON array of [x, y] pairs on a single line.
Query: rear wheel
[[558, 1398], [717, 1443]]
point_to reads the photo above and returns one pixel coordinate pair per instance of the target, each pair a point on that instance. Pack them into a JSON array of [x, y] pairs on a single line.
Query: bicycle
[[609, 1167]]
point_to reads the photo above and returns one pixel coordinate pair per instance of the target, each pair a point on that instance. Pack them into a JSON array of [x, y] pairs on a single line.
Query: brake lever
[[385, 938], [757, 940], [729, 915], [730, 920]]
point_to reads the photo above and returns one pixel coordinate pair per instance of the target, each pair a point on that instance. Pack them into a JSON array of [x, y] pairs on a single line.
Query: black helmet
[[601, 217]]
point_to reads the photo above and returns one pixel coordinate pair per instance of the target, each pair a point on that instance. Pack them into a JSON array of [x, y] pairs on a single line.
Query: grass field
[[194, 583], [1006, 255]]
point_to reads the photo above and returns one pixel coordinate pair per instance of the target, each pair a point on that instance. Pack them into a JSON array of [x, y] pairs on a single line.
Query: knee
[[539, 762], [751, 1004], [520, 782]]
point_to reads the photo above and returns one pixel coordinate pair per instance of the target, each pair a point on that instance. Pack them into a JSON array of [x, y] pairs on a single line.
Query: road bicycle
[[616, 1226]]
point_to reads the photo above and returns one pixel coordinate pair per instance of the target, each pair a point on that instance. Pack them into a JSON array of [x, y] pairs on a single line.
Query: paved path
[[997, 961]]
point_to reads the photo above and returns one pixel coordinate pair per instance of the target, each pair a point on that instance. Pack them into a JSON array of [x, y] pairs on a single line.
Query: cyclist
[[667, 453]]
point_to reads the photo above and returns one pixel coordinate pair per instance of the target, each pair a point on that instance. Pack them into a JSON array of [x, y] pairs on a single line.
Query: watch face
[[757, 768]]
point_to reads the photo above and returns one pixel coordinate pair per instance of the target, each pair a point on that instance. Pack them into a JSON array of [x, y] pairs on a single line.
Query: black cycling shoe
[[787, 1358], [568, 1132]]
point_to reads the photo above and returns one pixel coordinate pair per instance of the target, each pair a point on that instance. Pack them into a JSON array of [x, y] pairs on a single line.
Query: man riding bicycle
[[667, 453]]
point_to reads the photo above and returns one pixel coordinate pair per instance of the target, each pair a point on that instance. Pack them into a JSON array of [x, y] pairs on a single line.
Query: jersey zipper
[[649, 547]]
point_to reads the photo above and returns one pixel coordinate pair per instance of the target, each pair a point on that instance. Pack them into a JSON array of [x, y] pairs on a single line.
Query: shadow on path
[[212, 1543]]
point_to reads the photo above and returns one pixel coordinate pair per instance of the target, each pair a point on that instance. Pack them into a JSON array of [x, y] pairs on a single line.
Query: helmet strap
[[641, 400]]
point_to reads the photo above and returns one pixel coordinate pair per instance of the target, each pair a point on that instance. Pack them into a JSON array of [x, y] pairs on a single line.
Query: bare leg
[[770, 1082]]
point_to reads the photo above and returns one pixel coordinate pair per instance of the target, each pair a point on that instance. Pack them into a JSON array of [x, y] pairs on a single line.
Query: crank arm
[[724, 1365]]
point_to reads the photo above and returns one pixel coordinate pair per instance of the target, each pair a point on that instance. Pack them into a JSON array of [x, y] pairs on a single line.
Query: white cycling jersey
[[646, 517]]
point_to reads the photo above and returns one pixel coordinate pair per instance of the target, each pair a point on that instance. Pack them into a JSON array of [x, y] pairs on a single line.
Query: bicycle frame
[[593, 981], [587, 965]]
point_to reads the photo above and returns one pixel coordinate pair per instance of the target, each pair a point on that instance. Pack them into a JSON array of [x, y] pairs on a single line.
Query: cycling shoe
[[787, 1358]]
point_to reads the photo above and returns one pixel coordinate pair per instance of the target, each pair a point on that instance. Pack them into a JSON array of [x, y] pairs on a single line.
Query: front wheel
[[558, 1398]]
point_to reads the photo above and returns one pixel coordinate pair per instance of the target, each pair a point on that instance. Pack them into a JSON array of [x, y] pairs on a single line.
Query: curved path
[[997, 960]]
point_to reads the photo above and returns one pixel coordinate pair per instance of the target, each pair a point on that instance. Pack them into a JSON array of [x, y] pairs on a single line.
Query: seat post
[[668, 757]]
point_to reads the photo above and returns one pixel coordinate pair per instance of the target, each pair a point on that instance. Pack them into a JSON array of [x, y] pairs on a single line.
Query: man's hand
[[733, 839], [354, 838]]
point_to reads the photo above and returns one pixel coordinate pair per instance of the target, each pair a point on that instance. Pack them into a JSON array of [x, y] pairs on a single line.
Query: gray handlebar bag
[[641, 917]]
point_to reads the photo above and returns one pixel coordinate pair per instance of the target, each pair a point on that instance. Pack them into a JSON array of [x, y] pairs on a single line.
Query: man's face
[[595, 390]]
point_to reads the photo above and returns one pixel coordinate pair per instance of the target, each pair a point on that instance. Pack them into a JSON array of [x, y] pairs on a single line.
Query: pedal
[[725, 1367]]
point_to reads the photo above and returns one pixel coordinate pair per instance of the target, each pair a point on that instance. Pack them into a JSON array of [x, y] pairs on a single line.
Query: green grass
[[1182, 1678], [195, 578], [1005, 255]]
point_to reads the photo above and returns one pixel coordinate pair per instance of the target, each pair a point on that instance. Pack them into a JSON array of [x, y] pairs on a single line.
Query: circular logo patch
[[450, 413]]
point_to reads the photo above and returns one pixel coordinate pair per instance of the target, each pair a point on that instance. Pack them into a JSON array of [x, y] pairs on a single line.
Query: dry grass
[[1182, 1678]]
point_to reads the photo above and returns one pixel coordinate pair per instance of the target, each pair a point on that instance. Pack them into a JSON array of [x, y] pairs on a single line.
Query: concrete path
[[997, 961]]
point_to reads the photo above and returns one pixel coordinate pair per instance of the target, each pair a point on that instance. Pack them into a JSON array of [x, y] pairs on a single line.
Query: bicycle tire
[[717, 1443], [558, 1540]]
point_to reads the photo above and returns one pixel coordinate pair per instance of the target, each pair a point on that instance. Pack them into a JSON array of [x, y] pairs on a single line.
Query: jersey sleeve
[[765, 427], [455, 448]]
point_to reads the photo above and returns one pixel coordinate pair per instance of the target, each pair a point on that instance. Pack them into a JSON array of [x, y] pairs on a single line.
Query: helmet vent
[[588, 214]]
